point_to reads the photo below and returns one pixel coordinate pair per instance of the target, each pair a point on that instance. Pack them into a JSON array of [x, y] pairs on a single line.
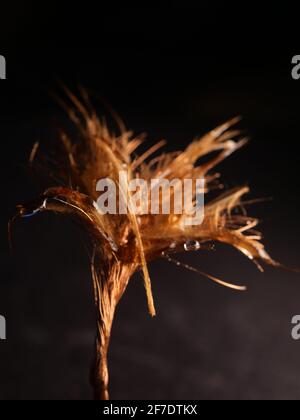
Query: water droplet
[[192, 246], [114, 247], [44, 205], [97, 208], [173, 245]]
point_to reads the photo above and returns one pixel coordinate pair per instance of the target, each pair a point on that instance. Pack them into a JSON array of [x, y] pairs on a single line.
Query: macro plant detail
[[126, 243]]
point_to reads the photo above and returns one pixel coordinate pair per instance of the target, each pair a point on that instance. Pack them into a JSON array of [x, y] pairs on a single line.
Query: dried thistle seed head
[[134, 240]]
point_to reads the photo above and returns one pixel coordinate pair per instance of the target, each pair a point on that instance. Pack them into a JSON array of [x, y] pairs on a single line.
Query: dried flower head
[[125, 243]]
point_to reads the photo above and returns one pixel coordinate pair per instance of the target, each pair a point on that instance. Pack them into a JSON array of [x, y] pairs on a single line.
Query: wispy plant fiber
[[126, 243]]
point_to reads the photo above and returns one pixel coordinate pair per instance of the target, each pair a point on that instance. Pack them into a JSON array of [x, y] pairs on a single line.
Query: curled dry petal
[[124, 243], [99, 153]]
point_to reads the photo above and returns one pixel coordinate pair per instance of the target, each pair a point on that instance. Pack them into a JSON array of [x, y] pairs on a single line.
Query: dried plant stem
[[109, 288], [101, 378], [123, 242]]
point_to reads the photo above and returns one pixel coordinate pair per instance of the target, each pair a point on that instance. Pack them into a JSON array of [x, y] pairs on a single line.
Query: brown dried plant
[[124, 244]]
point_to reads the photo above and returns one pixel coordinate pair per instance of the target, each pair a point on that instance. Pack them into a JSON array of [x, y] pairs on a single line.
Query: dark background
[[175, 72]]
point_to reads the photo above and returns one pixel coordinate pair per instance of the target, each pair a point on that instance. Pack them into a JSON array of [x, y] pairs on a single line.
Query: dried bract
[[125, 243]]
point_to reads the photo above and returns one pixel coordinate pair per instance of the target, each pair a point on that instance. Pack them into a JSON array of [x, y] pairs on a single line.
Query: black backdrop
[[175, 72]]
